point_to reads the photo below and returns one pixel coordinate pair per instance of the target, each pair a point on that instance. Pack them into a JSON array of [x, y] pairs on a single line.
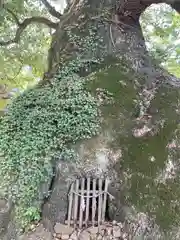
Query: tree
[[22, 64], [95, 40], [163, 35]]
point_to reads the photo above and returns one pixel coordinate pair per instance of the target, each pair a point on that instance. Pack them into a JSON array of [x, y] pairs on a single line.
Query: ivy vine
[[40, 124]]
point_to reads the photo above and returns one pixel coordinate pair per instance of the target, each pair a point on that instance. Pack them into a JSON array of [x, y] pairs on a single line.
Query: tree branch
[[51, 9], [22, 26], [176, 5], [13, 15], [129, 11], [12, 79]]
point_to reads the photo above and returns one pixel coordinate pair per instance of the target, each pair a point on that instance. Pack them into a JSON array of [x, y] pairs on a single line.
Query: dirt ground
[[39, 234], [92, 233]]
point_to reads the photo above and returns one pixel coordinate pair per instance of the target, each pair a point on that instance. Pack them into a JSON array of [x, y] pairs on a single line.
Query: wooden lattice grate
[[87, 202]]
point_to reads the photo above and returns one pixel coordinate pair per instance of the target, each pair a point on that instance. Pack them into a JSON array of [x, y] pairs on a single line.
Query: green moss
[[146, 157], [118, 85]]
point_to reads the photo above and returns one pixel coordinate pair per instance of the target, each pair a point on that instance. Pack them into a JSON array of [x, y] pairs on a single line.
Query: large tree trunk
[[143, 119], [118, 27]]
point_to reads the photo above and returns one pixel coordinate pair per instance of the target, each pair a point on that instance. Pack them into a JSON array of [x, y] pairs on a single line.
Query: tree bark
[[119, 28], [157, 91], [121, 33]]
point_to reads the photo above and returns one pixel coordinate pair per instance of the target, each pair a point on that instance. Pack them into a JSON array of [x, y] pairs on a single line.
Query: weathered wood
[[94, 202], [82, 203], [90, 191], [83, 199], [76, 202], [70, 203], [84, 222], [100, 201], [87, 201], [104, 200]]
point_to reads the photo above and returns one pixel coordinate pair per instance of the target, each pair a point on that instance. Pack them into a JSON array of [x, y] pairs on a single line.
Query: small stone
[[74, 236], [84, 236], [22, 237], [109, 231], [99, 237], [93, 230], [117, 232], [120, 225], [114, 222], [102, 232], [63, 229], [58, 235], [124, 236], [65, 236], [32, 227]]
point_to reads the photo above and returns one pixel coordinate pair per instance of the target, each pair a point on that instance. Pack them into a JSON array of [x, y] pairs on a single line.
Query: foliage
[[162, 35], [23, 64], [39, 125], [32, 48], [32, 214]]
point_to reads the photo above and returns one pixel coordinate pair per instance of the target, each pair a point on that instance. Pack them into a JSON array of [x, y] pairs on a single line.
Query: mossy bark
[[144, 95]]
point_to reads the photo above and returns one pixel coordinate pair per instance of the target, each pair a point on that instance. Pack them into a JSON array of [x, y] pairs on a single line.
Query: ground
[[38, 234], [106, 231]]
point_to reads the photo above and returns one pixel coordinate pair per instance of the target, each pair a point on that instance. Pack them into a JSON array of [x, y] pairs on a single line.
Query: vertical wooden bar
[[94, 202], [100, 201], [104, 199], [76, 202], [87, 201], [81, 203], [70, 203]]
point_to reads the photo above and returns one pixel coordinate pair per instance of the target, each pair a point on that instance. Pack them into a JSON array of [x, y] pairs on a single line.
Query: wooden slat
[[94, 202], [87, 201], [104, 200], [70, 203], [81, 203], [75, 214], [90, 191], [100, 201], [87, 196]]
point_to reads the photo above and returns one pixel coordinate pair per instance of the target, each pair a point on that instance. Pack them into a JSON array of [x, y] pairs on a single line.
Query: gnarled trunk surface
[[139, 137]]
